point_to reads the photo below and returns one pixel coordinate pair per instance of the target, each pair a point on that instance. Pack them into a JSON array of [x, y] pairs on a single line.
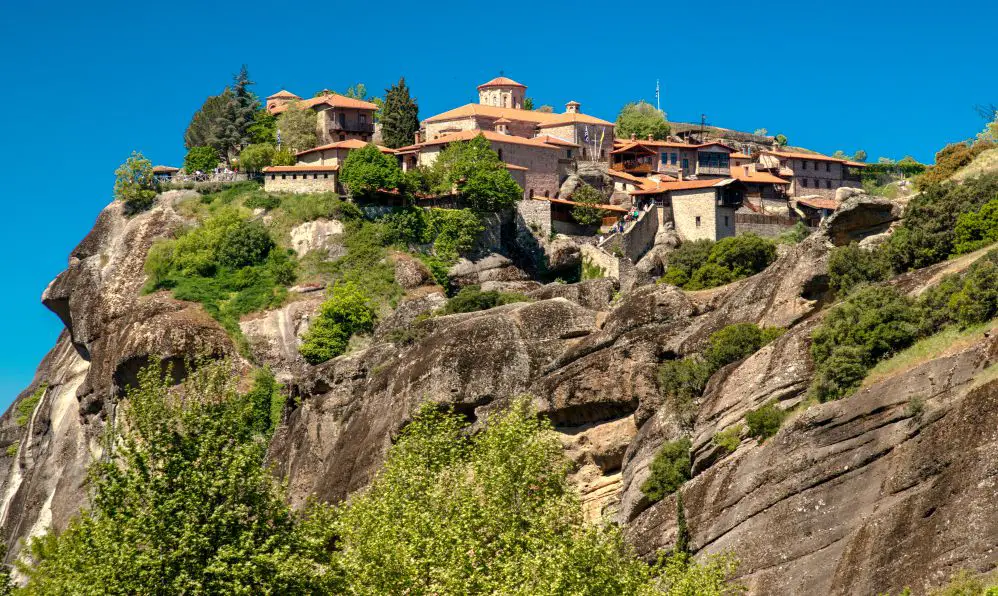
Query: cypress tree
[[399, 116]]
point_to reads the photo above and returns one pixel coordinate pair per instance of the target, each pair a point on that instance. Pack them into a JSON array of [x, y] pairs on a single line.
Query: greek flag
[[587, 133]]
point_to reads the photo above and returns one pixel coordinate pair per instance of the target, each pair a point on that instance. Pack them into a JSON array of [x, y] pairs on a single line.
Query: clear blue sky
[[85, 83]]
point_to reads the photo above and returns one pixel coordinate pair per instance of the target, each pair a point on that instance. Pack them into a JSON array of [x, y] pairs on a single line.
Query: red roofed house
[[699, 209], [338, 118], [811, 173]]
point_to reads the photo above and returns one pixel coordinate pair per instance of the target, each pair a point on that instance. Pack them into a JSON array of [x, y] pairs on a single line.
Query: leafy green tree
[[642, 119], [367, 171], [528, 103], [587, 212], [781, 140], [859, 156], [685, 260], [732, 343], [256, 157], [284, 157], [347, 311], [546, 109], [669, 470], [472, 299], [296, 128], [399, 116], [850, 267], [480, 177], [764, 421], [204, 129], [184, 504], [135, 184], [200, 159], [263, 130], [358, 91], [743, 255], [840, 154], [976, 229], [490, 513], [977, 300]]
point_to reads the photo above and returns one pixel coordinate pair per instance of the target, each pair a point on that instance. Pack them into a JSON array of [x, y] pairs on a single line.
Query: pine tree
[[399, 116], [235, 122], [203, 130]]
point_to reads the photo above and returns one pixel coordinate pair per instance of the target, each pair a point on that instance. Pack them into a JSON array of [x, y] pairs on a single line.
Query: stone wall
[[536, 212], [640, 237], [300, 182], [697, 217], [762, 225], [814, 177], [595, 257]]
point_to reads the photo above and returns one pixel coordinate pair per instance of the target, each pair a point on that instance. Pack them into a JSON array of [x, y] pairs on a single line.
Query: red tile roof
[[467, 135], [636, 179], [630, 147], [332, 99], [744, 174], [670, 185], [797, 155], [550, 140], [513, 166], [740, 155], [516, 115], [348, 144], [283, 93], [616, 208], [501, 82], [300, 168]]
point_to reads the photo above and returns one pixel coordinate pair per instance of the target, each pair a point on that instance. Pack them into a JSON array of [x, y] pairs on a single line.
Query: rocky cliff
[[858, 496]]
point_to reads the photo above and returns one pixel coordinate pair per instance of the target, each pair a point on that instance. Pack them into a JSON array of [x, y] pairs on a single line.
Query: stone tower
[[502, 92]]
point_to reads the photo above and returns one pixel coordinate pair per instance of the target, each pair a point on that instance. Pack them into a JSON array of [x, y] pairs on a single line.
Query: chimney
[[634, 137], [573, 107], [649, 137], [776, 146], [417, 141], [679, 175]]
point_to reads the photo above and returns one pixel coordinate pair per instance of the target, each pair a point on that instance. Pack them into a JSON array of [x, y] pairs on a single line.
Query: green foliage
[[184, 504], [454, 231], [669, 470], [472, 298], [262, 201], [228, 264], [781, 140], [729, 439], [367, 171], [587, 213], [872, 323], [481, 178], [227, 122], [490, 513], [850, 267], [256, 157], [977, 299], [200, 159], [204, 130], [135, 184], [267, 401], [591, 270], [734, 342], [347, 311], [704, 264], [641, 119], [263, 130], [26, 407], [965, 583], [399, 116], [764, 421], [976, 229], [284, 157], [928, 234], [296, 126], [794, 235], [299, 208]]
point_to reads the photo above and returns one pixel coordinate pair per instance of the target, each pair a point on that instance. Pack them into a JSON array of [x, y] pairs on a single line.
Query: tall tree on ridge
[[399, 116]]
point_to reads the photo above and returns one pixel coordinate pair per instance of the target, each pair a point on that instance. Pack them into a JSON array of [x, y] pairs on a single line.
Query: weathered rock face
[[862, 496], [321, 234]]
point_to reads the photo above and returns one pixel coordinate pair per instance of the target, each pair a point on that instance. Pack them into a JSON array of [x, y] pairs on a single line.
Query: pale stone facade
[[815, 175], [300, 179], [697, 216]]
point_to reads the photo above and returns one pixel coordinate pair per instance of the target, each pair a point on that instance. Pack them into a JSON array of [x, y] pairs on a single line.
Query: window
[[803, 165], [569, 154], [803, 182], [602, 153], [363, 118], [315, 176], [343, 137], [828, 167], [673, 157], [725, 221], [499, 151], [665, 158], [531, 192], [547, 193], [273, 176], [284, 176], [294, 176], [325, 176], [686, 163], [342, 119], [698, 221], [828, 184]]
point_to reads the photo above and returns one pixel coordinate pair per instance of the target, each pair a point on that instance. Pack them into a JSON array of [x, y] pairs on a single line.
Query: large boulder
[[858, 217], [563, 255], [322, 234], [493, 267]]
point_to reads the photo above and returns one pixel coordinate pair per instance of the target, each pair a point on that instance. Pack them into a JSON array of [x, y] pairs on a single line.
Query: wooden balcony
[[361, 127], [713, 170], [632, 167]]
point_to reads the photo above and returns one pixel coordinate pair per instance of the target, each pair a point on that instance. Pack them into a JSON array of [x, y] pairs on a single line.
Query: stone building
[[338, 118], [502, 99], [700, 209], [648, 156], [535, 165], [301, 178], [811, 173], [764, 192], [333, 154]]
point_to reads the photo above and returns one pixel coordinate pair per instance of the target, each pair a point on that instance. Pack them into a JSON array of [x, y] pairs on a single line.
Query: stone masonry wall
[[637, 240], [536, 212], [300, 183]]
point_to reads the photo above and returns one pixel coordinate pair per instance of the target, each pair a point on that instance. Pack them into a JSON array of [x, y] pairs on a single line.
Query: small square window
[[803, 165], [698, 221]]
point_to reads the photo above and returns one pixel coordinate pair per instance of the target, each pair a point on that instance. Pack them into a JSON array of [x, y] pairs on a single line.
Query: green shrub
[[299, 208], [975, 229], [284, 157], [685, 260], [243, 244], [732, 343], [928, 234], [743, 255], [26, 407], [200, 159], [977, 300], [135, 184], [794, 235], [454, 231], [765, 421], [871, 324], [851, 266], [267, 401], [710, 275], [367, 171], [684, 380], [346, 312], [256, 157], [472, 299], [262, 201], [770, 334], [669, 470], [587, 213], [12, 452], [729, 439], [950, 159]]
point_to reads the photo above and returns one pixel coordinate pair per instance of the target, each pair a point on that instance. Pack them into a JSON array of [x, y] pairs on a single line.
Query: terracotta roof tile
[[300, 168], [616, 208], [467, 135], [513, 166], [282, 94], [743, 174], [819, 202], [669, 185], [550, 140], [348, 144], [333, 100], [538, 118], [797, 155], [502, 82]]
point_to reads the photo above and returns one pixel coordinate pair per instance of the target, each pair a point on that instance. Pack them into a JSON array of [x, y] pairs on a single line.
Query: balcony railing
[[367, 127], [713, 170], [632, 166]]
